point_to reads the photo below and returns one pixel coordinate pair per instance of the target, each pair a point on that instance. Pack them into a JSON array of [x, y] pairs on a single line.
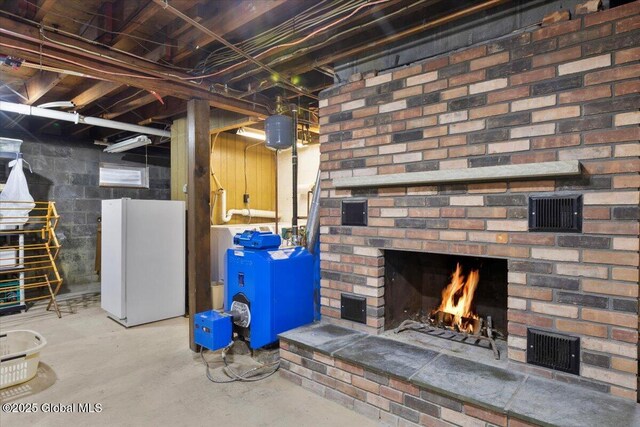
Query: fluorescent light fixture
[[129, 144], [252, 133], [57, 104]]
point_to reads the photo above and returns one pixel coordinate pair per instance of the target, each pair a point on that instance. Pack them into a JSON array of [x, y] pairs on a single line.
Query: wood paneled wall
[[227, 161]]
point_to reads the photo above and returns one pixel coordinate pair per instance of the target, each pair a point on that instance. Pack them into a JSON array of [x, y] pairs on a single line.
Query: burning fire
[[457, 298]]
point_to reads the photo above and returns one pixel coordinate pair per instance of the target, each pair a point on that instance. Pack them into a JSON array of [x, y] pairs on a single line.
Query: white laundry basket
[[19, 356]]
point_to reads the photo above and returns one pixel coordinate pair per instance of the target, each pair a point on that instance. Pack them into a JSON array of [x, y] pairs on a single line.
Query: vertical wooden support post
[[198, 225]]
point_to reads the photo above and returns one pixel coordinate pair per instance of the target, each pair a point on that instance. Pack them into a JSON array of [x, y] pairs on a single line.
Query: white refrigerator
[[143, 260]]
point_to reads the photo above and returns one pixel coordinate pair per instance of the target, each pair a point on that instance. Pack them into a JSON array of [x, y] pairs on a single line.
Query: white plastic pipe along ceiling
[[28, 110]]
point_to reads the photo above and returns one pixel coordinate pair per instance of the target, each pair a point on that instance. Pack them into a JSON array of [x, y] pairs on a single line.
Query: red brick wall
[[566, 91]]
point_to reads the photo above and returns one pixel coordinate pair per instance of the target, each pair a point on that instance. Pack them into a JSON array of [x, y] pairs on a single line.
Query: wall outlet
[[245, 198]]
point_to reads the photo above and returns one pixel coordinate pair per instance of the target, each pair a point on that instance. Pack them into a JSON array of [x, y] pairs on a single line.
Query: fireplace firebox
[[415, 281]]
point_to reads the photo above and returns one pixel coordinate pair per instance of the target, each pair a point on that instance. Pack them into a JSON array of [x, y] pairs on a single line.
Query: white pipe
[[77, 118], [255, 213]]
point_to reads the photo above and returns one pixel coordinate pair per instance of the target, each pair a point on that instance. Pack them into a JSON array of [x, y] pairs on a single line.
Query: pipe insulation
[[28, 110], [254, 213]]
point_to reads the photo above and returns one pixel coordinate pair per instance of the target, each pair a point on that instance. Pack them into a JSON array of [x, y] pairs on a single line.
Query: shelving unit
[[31, 273]]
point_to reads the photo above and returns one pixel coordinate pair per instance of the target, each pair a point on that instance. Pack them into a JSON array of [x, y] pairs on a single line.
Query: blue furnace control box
[[213, 330]]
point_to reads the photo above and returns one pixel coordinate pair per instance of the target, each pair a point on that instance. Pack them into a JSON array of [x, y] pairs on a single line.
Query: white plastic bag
[[15, 190]]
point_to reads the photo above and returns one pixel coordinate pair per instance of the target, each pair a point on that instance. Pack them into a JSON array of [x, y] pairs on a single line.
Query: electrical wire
[[80, 37], [250, 375], [273, 35], [324, 28], [81, 65], [85, 24]]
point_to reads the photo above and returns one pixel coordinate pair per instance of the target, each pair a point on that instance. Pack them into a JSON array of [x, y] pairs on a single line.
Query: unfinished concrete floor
[[147, 376]]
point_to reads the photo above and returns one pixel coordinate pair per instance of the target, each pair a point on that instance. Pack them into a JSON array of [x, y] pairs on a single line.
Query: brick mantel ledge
[[488, 173]]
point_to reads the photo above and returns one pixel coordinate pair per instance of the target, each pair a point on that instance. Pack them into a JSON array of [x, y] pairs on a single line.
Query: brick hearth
[[568, 91]]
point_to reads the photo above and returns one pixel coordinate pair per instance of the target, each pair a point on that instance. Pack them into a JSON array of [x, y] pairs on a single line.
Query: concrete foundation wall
[[67, 173]]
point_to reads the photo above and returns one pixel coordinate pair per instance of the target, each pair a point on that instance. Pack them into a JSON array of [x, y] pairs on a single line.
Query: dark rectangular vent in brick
[[555, 351], [354, 212], [353, 308], [555, 213]]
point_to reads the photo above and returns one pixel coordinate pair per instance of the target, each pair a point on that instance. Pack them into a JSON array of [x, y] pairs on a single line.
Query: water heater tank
[[279, 131]]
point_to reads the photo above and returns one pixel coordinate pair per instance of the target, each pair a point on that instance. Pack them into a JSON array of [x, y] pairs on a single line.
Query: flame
[[457, 297]]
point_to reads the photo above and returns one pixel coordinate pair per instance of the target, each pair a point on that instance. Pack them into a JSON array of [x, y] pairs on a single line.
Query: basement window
[[114, 175]]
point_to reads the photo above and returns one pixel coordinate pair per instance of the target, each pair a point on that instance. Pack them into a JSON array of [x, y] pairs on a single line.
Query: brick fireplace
[[547, 113], [563, 94]]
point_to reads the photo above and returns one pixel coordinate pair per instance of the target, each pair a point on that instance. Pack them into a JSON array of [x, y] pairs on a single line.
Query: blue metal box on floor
[[212, 330]]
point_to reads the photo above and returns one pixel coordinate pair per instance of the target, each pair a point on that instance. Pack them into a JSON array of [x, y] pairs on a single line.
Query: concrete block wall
[[559, 92], [67, 173]]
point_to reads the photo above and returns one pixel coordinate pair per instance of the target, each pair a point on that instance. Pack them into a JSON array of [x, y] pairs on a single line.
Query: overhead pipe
[[76, 118], [294, 178]]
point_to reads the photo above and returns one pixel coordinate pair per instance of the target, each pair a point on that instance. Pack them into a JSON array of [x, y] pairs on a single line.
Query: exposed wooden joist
[[224, 23], [41, 83], [36, 87], [93, 93], [122, 108], [121, 74], [198, 222], [353, 26], [134, 22], [149, 114], [134, 103], [43, 8]]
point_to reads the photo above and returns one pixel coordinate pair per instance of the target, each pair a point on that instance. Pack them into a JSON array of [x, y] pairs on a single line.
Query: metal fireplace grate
[[555, 213], [353, 308], [555, 351]]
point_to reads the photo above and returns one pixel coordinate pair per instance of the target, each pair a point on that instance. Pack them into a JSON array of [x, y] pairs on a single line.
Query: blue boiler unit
[[267, 291]]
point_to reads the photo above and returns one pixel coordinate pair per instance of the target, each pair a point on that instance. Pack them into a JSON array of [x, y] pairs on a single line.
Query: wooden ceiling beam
[[130, 106], [150, 9], [36, 87], [138, 18], [351, 26], [95, 92], [41, 83], [43, 8], [124, 73], [230, 20], [83, 49], [144, 116]]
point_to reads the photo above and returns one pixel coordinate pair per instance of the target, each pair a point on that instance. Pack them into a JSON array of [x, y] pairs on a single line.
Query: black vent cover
[[353, 308], [555, 213], [555, 351], [354, 212]]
